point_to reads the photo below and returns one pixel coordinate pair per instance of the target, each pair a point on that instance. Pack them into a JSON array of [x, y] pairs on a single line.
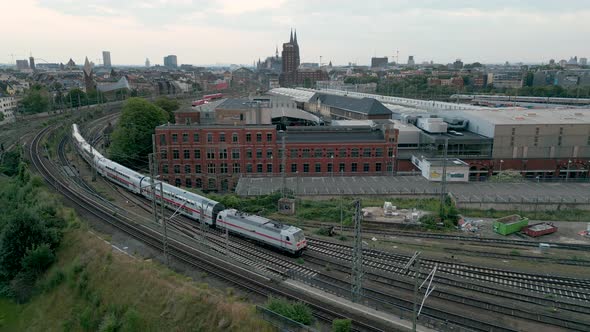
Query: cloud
[[233, 7]]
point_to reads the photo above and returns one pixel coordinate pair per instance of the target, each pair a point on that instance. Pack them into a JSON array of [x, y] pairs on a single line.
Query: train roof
[[258, 221]]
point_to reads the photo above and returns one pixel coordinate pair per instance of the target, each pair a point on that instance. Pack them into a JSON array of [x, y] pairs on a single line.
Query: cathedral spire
[[295, 40], [277, 51], [291, 38]]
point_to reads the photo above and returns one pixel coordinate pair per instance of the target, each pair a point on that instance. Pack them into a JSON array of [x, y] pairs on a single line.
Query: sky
[[240, 31]]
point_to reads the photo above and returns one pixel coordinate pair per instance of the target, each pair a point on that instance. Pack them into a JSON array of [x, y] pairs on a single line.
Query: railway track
[[256, 284], [462, 238]]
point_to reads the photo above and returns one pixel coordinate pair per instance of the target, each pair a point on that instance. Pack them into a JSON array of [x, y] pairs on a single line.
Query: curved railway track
[[256, 284]]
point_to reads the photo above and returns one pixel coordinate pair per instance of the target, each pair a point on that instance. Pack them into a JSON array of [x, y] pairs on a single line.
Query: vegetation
[[36, 100], [76, 98], [10, 162], [561, 215], [341, 325], [31, 229], [361, 80], [1, 116], [168, 105], [298, 312], [507, 176], [446, 217], [131, 141]]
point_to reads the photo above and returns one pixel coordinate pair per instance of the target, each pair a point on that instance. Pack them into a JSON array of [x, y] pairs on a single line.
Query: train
[[207, 98], [526, 99], [279, 236]]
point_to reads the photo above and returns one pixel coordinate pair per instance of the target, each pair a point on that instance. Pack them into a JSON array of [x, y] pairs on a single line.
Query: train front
[[299, 241]]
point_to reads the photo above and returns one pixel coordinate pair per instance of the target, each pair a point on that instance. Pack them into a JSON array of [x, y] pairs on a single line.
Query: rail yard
[[468, 296]]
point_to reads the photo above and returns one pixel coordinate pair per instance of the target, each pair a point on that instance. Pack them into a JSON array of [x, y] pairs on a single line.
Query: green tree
[[168, 105], [1, 116], [36, 100], [341, 325], [131, 141], [76, 98]]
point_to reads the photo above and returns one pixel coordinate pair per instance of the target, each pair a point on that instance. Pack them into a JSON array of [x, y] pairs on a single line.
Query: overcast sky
[[240, 31]]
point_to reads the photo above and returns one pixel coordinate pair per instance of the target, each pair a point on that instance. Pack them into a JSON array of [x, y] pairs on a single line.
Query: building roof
[[289, 112], [520, 116], [367, 106], [298, 95], [238, 104], [119, 85]]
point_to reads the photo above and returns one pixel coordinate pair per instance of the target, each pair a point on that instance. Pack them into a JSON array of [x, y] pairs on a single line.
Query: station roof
[[238, 104], [295, 113], [367, 106], [520, 116], [298, 95]]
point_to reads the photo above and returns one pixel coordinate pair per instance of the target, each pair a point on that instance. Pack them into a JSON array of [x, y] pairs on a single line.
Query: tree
[[36, 100], [1, 116], [132, 138], [341, 325], [76, 98], [168, 105]]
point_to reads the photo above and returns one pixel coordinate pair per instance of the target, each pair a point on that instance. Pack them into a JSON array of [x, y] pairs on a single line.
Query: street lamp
[[501, 162], [392, 164], [567, 175], [332, 163]]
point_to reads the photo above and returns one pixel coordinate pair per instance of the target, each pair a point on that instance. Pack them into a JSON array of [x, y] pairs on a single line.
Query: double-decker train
[[283, 237]]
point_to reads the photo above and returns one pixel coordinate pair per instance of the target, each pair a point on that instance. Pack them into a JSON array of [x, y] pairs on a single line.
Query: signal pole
[[357, 254]]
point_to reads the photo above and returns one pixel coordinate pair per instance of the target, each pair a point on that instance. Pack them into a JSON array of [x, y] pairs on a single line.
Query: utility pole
[[416, 279], [284, 165], [443, 182], [357, 254]]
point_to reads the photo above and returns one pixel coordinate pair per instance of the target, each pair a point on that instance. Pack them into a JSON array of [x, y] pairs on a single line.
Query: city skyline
[[210, 32]]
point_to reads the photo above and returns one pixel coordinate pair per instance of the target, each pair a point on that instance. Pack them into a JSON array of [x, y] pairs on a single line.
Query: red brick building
[[214, 157]]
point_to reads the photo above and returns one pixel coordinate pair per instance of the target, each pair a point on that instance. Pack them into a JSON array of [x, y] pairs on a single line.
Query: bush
[[109, 323], [131, 321], [298, 312], [341, 325]]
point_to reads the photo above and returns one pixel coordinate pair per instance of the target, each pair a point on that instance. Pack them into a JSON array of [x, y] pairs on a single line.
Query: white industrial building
[[8, 107]]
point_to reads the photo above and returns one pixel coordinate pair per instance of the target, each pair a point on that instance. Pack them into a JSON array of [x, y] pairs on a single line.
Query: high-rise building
[[171, 61], [411, 61], [379, 62], [106, 59], [22, 64], [458, 64], [147, 62], [32, 63], [583, 62], [292, 74]]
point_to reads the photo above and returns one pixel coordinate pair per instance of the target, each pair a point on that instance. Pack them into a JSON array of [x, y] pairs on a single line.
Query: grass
[[560, 215], [93, 288]]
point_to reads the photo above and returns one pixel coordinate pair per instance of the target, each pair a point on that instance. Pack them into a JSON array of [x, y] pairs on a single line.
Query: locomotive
[[280, 236]]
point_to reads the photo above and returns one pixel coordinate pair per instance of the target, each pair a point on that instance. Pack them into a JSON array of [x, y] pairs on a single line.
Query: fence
[[281, 322]]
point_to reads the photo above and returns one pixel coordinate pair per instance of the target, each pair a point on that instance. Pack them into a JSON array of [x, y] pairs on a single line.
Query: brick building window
[[162, 139], [234, 137], [367, 152], [259, 153], [223, 153], [210, 153], [197, 169], [330, 153], [197, 153], [268, 153], [390, 152], [342, 167], [342, 153], [176, 169], [306, 153], [248, 137], [330, 168], [259, 168], [209, 137], [293, 153], [187, 169], [366, 167], [164, 154], [354, 167], [379, 152], [258, 137], [248, 168], [188, 183], [306, 168], [318, 167], [222, 137], [223, 168], [196, 137], [249, 153], [211, 184], [198, 183], [377, 167], [354, 153], [174, 138], [177, 182], [211, 168], [236, 168], [268, 168], [165, 168], [235, 153], [293, 168], [317, 153], [175, 154], [184, 137], [187, 154]]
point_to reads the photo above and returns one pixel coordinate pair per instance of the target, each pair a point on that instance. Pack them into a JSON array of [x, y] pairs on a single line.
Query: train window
[[288, 239]]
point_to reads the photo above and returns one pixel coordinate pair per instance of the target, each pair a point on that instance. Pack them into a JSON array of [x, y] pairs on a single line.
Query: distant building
[[171, 61], [377, 62], [89, 83], [411, 61], [8, 106], [292, 74], [583, 62], [32, 63], [552, 62], [22, 64], [147, 62], [71, 64], [506, 79], [458, 64], [106, 59]]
